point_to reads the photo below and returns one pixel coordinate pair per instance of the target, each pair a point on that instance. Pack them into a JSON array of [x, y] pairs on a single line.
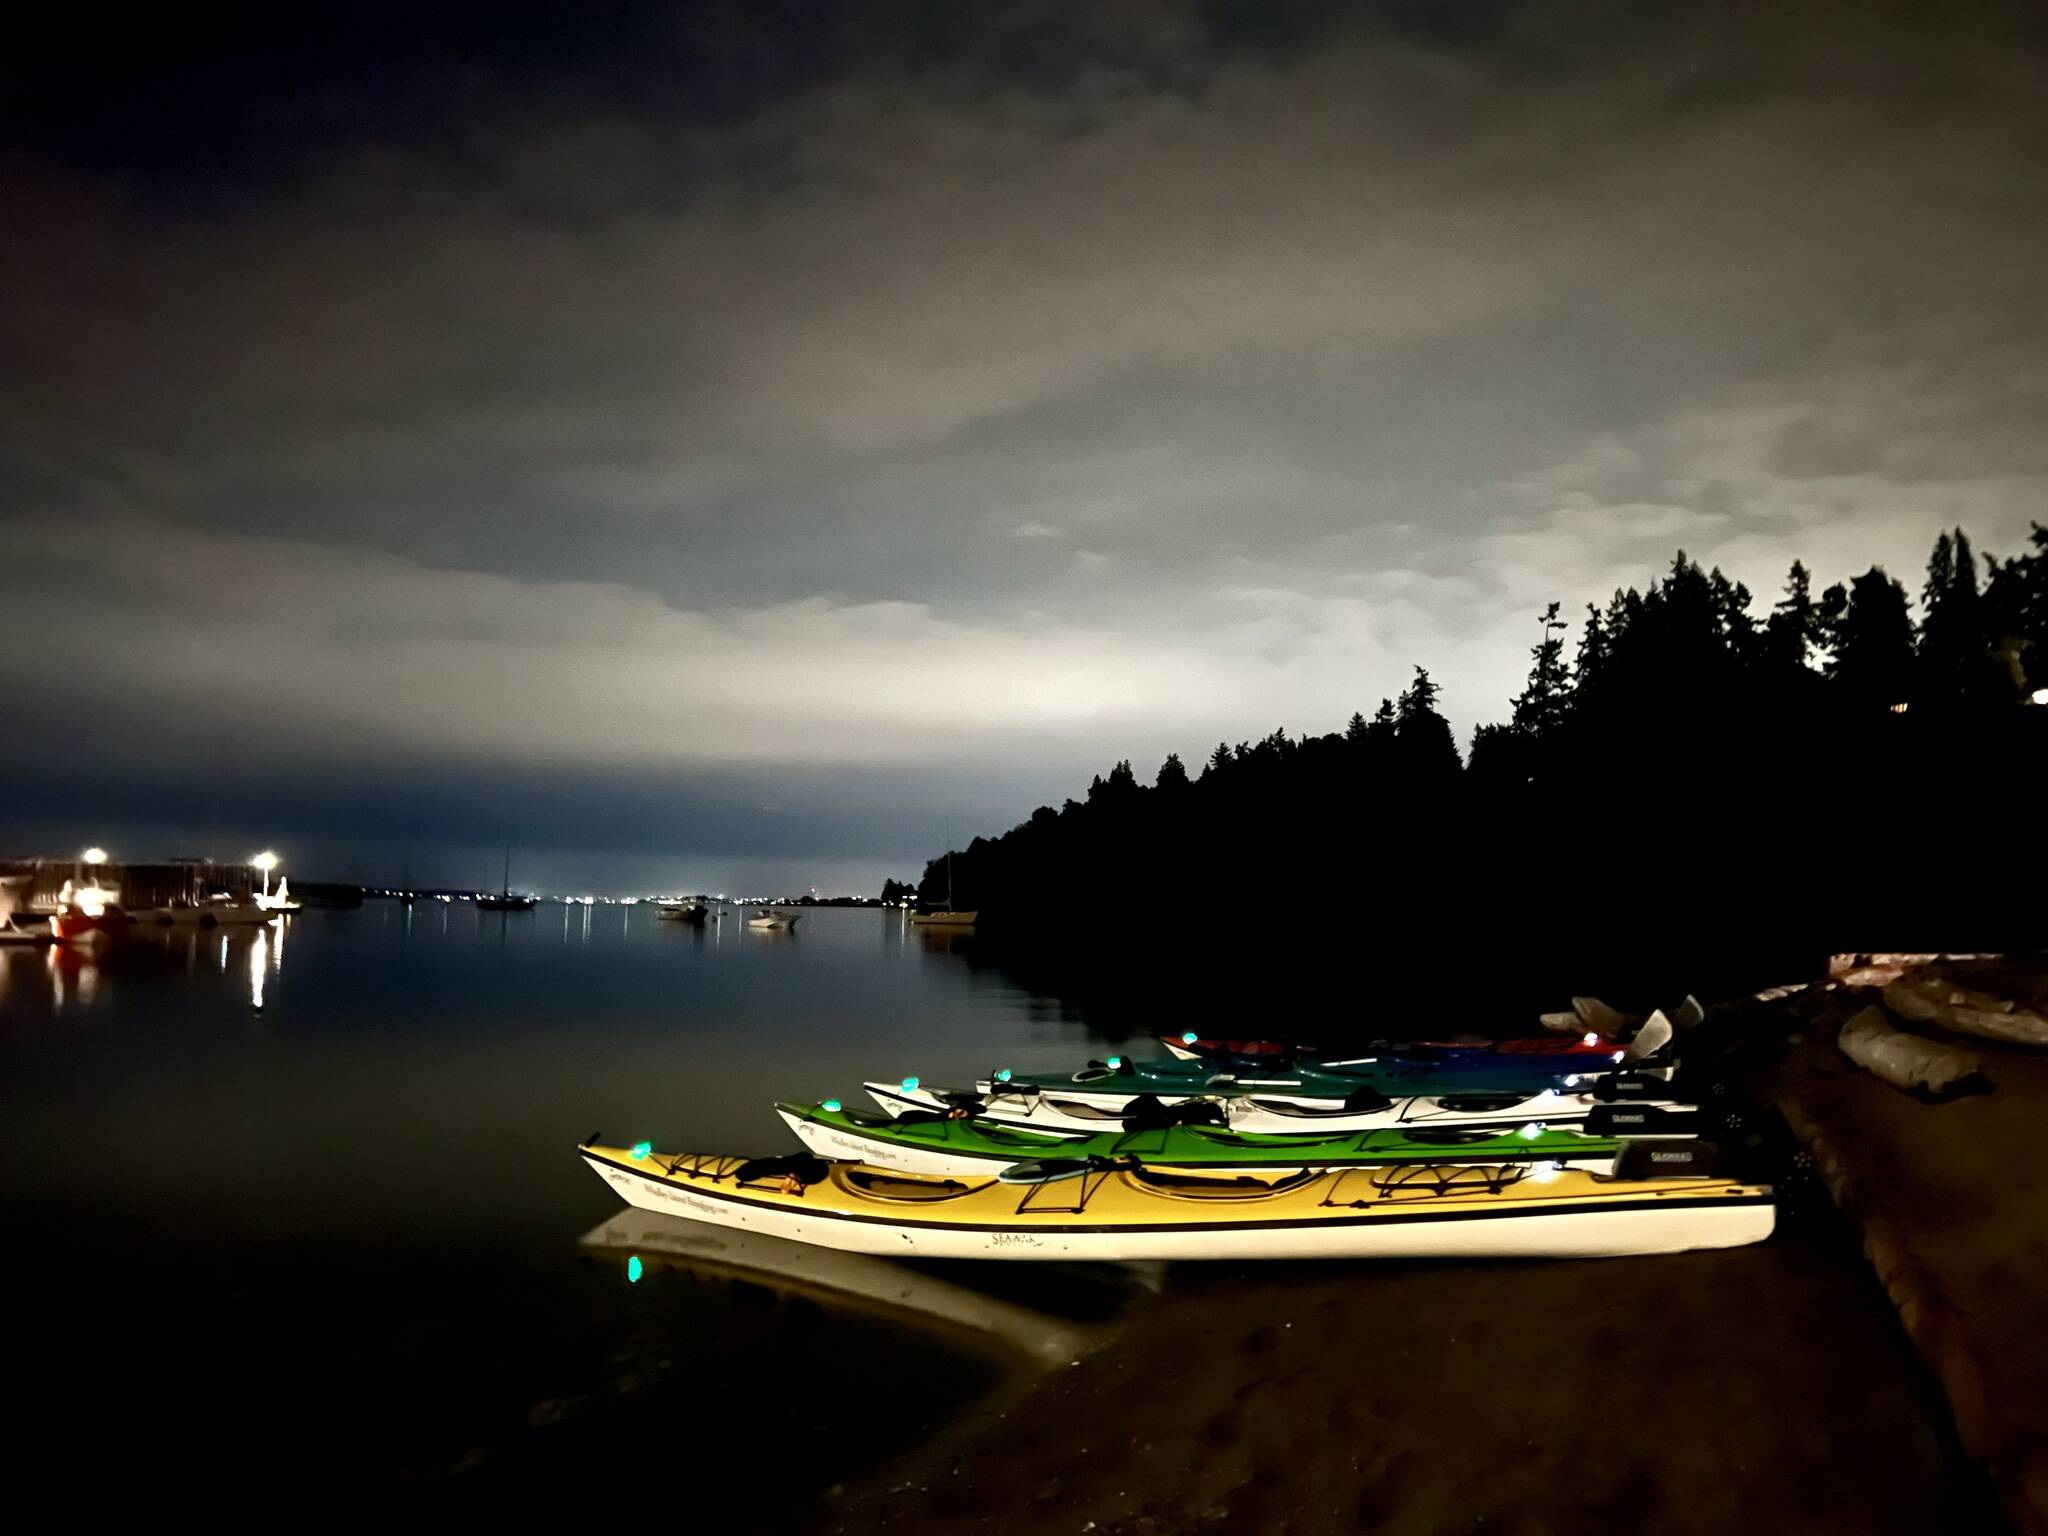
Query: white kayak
[[1406, 1211], [1061, 1114]]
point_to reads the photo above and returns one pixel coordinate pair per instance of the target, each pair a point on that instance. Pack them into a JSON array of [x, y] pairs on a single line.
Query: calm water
[[310, 1198]]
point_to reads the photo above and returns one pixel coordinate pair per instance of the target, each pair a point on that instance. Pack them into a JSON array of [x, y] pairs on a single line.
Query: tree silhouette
[[1423, 741], [1870, 633], [1638, 804]]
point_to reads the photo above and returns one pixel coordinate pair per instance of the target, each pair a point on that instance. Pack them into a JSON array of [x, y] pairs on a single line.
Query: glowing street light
[[2038, 696], [94, 856], [265, 861]]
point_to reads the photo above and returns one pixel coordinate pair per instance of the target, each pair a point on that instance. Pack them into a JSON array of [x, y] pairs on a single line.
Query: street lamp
[[2039, 696], [265, 861]]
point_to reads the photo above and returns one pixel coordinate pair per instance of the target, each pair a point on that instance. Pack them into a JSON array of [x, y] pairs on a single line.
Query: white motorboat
[[771, 919]]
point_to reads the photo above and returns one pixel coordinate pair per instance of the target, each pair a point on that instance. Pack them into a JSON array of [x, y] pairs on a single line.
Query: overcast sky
[[719, 449]]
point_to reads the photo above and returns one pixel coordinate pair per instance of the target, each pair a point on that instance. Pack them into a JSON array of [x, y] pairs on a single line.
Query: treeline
[[1684, 785]]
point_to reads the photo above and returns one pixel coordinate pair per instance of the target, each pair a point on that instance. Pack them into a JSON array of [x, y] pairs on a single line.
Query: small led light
[[1115, 1062], [832, 1106], [1531, 1131], [635, 1269], [1003, 1076], [1621, 1055], [1189, 1037], [910, 1085], [642, 1148], [1571, 1081], [1591, 1038]]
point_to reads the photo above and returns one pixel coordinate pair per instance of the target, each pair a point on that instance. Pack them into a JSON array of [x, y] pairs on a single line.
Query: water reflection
[[259, 965], [640, 1240]]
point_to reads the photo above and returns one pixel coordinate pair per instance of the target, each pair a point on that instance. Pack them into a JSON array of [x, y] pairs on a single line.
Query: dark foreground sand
[[1953, 1203], [1760, 1390]]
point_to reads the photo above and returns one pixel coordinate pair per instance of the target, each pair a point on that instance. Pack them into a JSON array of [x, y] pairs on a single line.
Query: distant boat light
[[642, 1148]]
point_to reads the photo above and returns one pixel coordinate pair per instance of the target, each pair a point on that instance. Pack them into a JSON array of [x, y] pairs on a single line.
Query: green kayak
[[937, 1144]]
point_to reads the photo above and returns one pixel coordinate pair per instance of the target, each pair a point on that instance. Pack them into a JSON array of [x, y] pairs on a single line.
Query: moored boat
[[1641, 1112], [1402, 1210], [943, 1144], [772, 919]]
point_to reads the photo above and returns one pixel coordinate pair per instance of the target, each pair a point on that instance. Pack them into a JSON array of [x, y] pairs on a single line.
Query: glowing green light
[[642, 1148], [831, 1104], [1003, 1076], [1189, 1037], [635, 1269], [910, 1085], [1115, 1062]]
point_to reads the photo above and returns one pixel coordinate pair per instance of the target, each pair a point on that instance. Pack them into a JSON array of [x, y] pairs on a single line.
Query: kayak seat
[[1300, 1111], [1448, 1136], [1081, 1111], [885, 1186], [1242, 1187], [872, 1120]]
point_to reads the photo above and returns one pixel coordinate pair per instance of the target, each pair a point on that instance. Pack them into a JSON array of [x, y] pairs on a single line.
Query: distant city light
[[94, 855], [1898, 709]]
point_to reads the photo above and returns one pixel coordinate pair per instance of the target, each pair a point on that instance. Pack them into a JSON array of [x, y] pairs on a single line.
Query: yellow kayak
[[1405, 1210]]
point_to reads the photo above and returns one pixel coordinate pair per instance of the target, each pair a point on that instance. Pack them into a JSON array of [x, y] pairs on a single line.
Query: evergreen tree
[[1355, 729], [1381, 731], [1793, 631], [1956, 665], [1173, 777], [1423, 737], [1871, 634], [1218, 760], [1541, 707]]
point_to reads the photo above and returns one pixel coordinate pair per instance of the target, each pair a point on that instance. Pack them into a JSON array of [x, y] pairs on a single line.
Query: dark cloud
[[977, 392]]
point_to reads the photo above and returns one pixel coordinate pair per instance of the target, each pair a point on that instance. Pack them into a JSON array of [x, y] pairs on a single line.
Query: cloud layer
[[1157, 385]]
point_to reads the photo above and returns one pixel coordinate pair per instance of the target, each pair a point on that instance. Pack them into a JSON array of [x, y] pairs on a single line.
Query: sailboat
[[505, 901], [946, 917]]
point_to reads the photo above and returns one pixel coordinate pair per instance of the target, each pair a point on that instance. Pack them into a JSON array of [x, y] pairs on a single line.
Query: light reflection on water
[[407, 1113]]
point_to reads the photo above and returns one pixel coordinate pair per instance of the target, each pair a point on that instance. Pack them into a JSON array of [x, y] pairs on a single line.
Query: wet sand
[[1752, 1390]]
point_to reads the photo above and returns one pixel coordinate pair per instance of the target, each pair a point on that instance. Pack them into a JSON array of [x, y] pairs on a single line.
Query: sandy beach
[[1762, 1389]]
